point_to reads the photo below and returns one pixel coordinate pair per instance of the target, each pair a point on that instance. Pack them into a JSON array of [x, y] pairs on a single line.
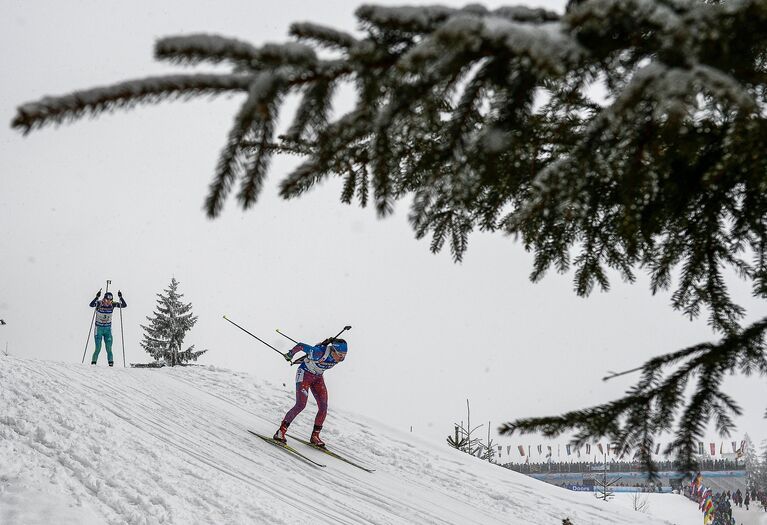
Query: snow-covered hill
[[87, 445]]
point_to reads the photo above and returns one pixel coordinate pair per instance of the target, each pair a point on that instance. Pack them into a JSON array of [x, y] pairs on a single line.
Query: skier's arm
[[122, 304], [301, 347], [95, 301]]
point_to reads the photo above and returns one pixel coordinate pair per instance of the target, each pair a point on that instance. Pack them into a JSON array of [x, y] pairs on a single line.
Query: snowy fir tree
[[171, 320], [752, 462], [621, 135], [762, 478]]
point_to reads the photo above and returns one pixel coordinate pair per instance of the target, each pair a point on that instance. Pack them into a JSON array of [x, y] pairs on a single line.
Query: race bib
[[103, 318]]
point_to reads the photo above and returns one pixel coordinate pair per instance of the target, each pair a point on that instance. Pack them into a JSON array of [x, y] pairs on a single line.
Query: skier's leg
[[97, 336], [303, 380], [108, 344], [320, 393]]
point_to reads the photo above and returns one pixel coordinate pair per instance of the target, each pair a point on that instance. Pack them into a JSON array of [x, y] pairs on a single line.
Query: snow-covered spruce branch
[[194, 49], [124, 95], [258, 163], [254, 123], [421, 20], [350, 129], [323, 36], [312, 113], [656, 403]]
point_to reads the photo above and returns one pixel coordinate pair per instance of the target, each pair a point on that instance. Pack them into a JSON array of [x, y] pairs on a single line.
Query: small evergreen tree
[[489, 452], [762, 478], [459, 440], [604, 485], [751, 461], [463, 440], [172, 319]]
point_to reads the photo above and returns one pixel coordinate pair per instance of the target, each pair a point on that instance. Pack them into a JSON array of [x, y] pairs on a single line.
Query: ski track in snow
[[85, 444]]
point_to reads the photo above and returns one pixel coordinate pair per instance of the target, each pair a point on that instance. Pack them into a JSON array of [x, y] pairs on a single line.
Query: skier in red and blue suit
[[318, 359]]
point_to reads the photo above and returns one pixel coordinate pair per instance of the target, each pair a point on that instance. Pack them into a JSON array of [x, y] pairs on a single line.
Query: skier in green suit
[[104, 311]]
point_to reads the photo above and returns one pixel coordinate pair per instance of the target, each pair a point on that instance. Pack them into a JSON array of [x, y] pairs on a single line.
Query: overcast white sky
[[120, 198]]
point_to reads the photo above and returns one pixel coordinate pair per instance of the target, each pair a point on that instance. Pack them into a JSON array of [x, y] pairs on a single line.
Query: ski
[[332, 454], [287, 448]]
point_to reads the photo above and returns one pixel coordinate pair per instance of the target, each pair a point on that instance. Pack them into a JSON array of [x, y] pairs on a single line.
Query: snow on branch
[[197, 48], [663, 16], [288, 53], [326, 36], [424, 19], [254, 123], [520, 13], [545, 47], [194, 49], [124, 95], [406, 18]]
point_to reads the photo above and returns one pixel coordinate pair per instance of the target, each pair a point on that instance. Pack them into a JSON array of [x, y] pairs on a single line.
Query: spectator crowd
[[717, 506], [619, 466]]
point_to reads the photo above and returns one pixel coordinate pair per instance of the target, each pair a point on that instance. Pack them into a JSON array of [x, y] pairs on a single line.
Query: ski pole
[[286, 336], [122, 335], [300, 359], [85, 350], [254, 336]]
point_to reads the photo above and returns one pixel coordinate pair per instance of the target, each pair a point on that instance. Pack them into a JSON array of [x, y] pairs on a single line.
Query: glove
[[288, 358], [98, 294], [119, 294]]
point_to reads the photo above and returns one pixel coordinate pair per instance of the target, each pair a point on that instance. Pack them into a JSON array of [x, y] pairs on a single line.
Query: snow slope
[[87, 445]]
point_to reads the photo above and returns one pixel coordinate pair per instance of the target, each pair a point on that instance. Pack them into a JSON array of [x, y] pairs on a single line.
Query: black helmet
[[108, 295]]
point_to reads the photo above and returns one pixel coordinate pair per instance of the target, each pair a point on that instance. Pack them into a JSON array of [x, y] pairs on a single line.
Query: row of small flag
[[612, 448], [705, 498]]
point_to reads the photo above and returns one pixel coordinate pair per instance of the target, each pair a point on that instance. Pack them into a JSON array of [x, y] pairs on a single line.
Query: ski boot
[[315, 439], [93, 362], [280, 434], [111, 364]]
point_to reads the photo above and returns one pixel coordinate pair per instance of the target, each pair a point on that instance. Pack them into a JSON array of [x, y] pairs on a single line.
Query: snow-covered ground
[[88, 445], [755, 515]]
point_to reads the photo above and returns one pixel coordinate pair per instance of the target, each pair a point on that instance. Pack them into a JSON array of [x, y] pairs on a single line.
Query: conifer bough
[[485, 119]]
